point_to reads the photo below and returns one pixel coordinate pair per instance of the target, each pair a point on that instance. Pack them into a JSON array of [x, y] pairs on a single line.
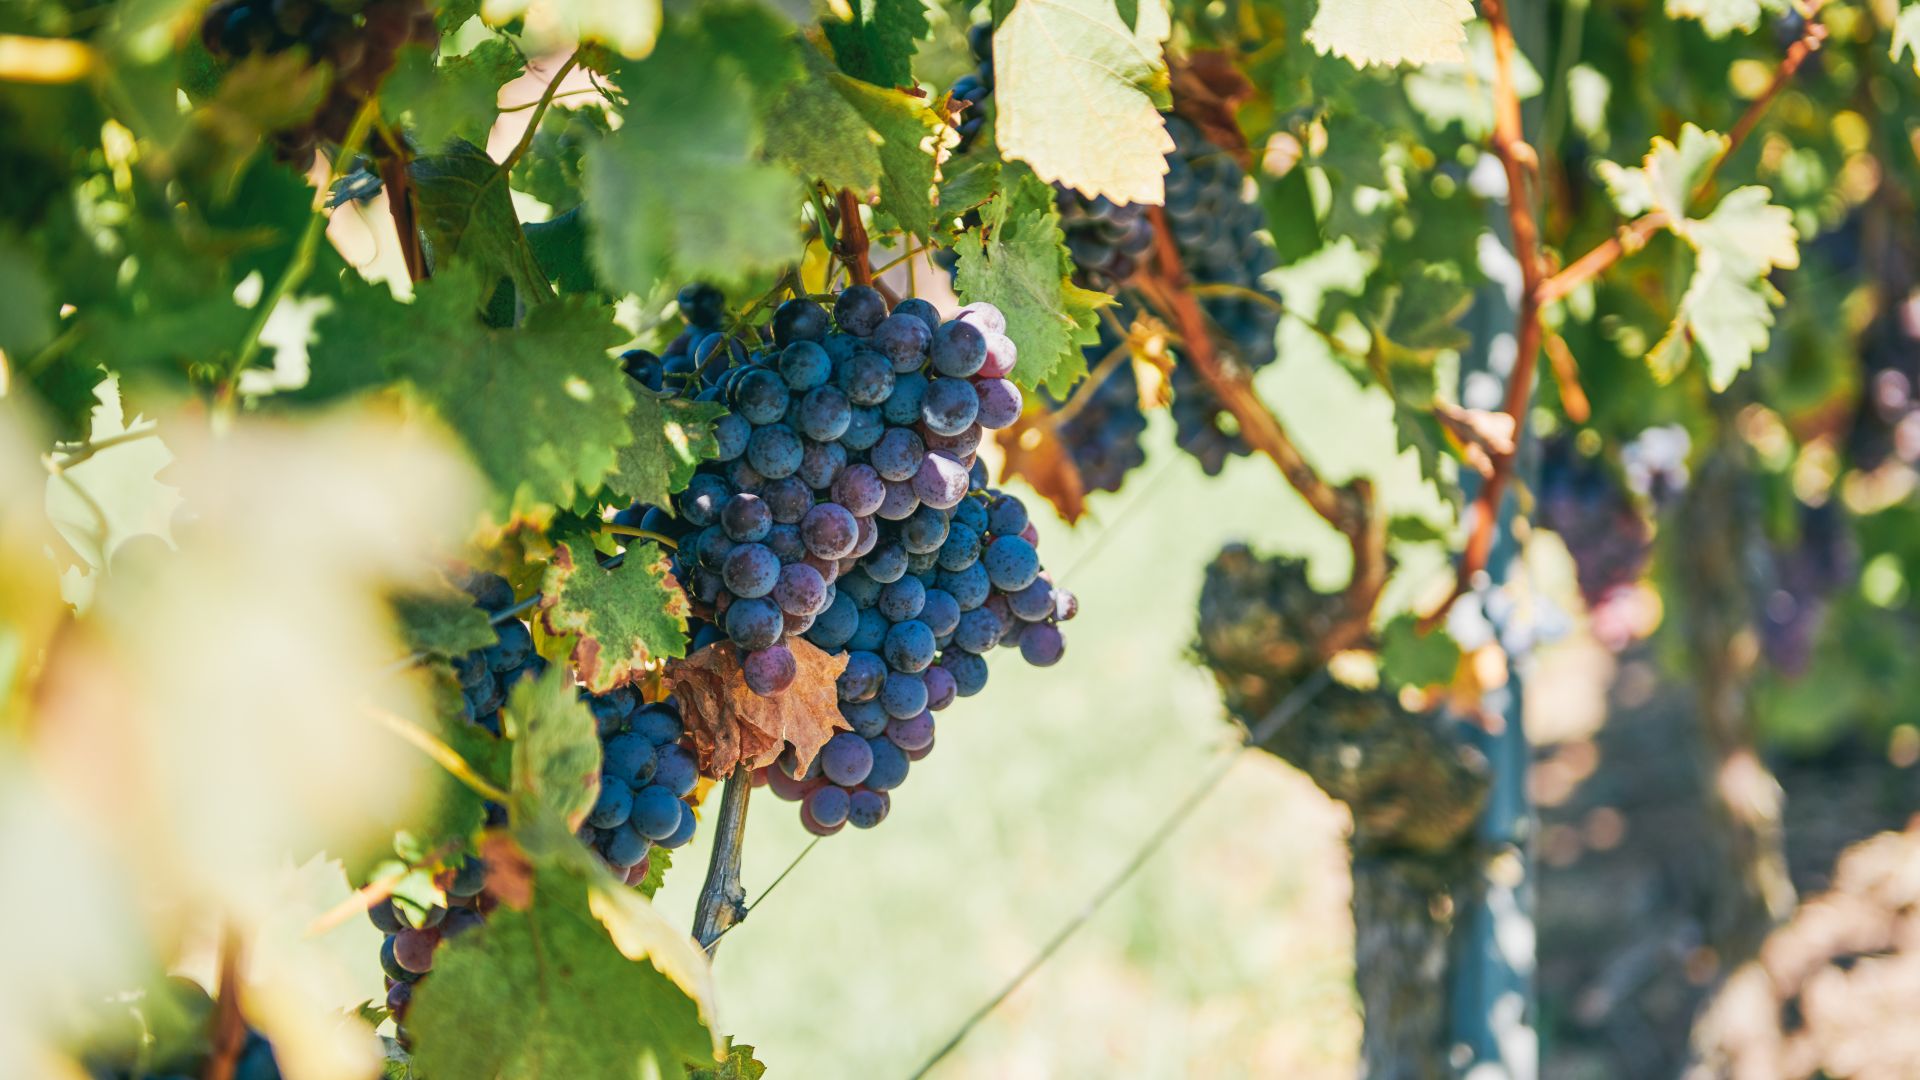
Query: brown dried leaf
[[1484, 436], [1208, 89], [509, 871], [731, 724], [1031, 449]]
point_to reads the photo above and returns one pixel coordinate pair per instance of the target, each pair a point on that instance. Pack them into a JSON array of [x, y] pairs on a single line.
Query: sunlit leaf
[[1390, 32]]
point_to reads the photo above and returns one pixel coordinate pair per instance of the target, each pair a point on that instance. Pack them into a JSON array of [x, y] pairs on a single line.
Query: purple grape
[[711, 546], [730, 434], [805, 365], [750, 571], [889, 765], [898, 454], [865, 809], [799, 319], [859, 309], [864, 675], [920, 309], [902, 339], [629, 758], [867, 717], [872, 632], [902, 600], [788, 499], [862, 588], [1033, 603], [769, 671], [832, 627], [801, 590], [914, 733], [865, 430], [985, 316], [700, 504], [961, 549], [1006, 516], [675, 769], [909, 647], [979, 631], [413, 949], [784, 541], [940, 611], [950, 407], [615, 802], [869, 536], [746, 518], [775, 451], [866, 378], [902, 407], [958, 349], [885, 564], [859, 489], [900, 501], [924, 533], [828, 804], [830, 531], [822, 464], [941, 687], [1011, 563], [1000, 403], [754, 623], [846, 759], [760, 396], [969, 671], [656, 812], [959, 447], [969, 586], [1002, 357], [941, 482], [903, 694], [825, 414]]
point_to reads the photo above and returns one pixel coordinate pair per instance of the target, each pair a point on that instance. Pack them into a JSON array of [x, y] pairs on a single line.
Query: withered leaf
[[1208, 89], [731, 724]]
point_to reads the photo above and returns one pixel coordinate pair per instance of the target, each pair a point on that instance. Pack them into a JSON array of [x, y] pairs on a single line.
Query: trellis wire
[[1297, 699]]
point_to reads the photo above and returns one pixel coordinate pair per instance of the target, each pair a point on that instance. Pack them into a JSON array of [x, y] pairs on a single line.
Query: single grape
[[821, 465], [985, 316], [902, 600], [949, 408], [969, 586], [958, 349], [903, 694], [859, 309], [774, 451], [825, 414], [872, 632], [816, 828], [801, 590], [391, 965], [898, 454], [828, 805], [902, 407], [754, 623], [1006, 516], [746, 518], [386, 918], [961, 548], [865, 430], [656, 812], [805, 365], [830, 531], [702, 305], [1000, 403], [865, 809], [1042, 644], [973, 512], [969, 671], [788, 499], [624, 847], [743, 476], [658, 723], [760, 396], [909, 647], [861, 586], [769, 671], [961, 447], [784, 541], [833, 626], [920, 309], [682, 833], [979, 631], [889, 765], [941, 482], [1033, 603], [903, 339], [1011, 563], [899, 502], [942, 688], [867, 717], [614, 804], [915, 733], [676, 770], [863, 677], [940, 611], [751, 570], [630, 757], [866, 378], [711, 546], [846, 759], [799, 319], [1002, 357], [923, 533], [860, 489]]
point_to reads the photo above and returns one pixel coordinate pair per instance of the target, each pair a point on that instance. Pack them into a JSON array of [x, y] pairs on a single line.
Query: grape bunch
[[414, 934], [357, 40], [488, 675], [647, 777], [849, 444], [1103, 433], [971, 91], [846, 505], [1583, 501], [914, 645], [1217, 230]]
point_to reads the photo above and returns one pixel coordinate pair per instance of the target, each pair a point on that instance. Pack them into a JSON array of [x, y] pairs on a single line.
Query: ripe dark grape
[[865, 809], [859, 310], [751, 570], [769, 671], [864, 675], [828, 805], [889, 765], [950, 406], [958, 349], [754, 623], [799, 319], [656, 812], [846, 759]]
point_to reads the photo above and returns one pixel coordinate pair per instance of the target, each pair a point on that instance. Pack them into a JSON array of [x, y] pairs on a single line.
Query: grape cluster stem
[[722, 898]]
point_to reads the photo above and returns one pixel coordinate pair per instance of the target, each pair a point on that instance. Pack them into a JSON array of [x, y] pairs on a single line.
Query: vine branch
[[229, 1033], [722, 898], [854, 247], [1347, 509]]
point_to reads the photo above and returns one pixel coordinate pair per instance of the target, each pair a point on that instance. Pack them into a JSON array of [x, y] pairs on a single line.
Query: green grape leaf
[[442, 622], [1906, 35], [1389, 32], [541, 408], [1722, 17], [973, 183], [561, 248], [628, 27], [659, 861], [1728, 307], [455, 98], [815, 131], [1291, 220], [680, 187], [1016, 259], [740, 1065], [876, 45], [457, 810], [550, 169], [671, 436], [912, 140], [1079, 96], [1666, 179], [621, 619], [544, 994], [451, 15], [1409, 657], [467, 211], [556, 747]]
